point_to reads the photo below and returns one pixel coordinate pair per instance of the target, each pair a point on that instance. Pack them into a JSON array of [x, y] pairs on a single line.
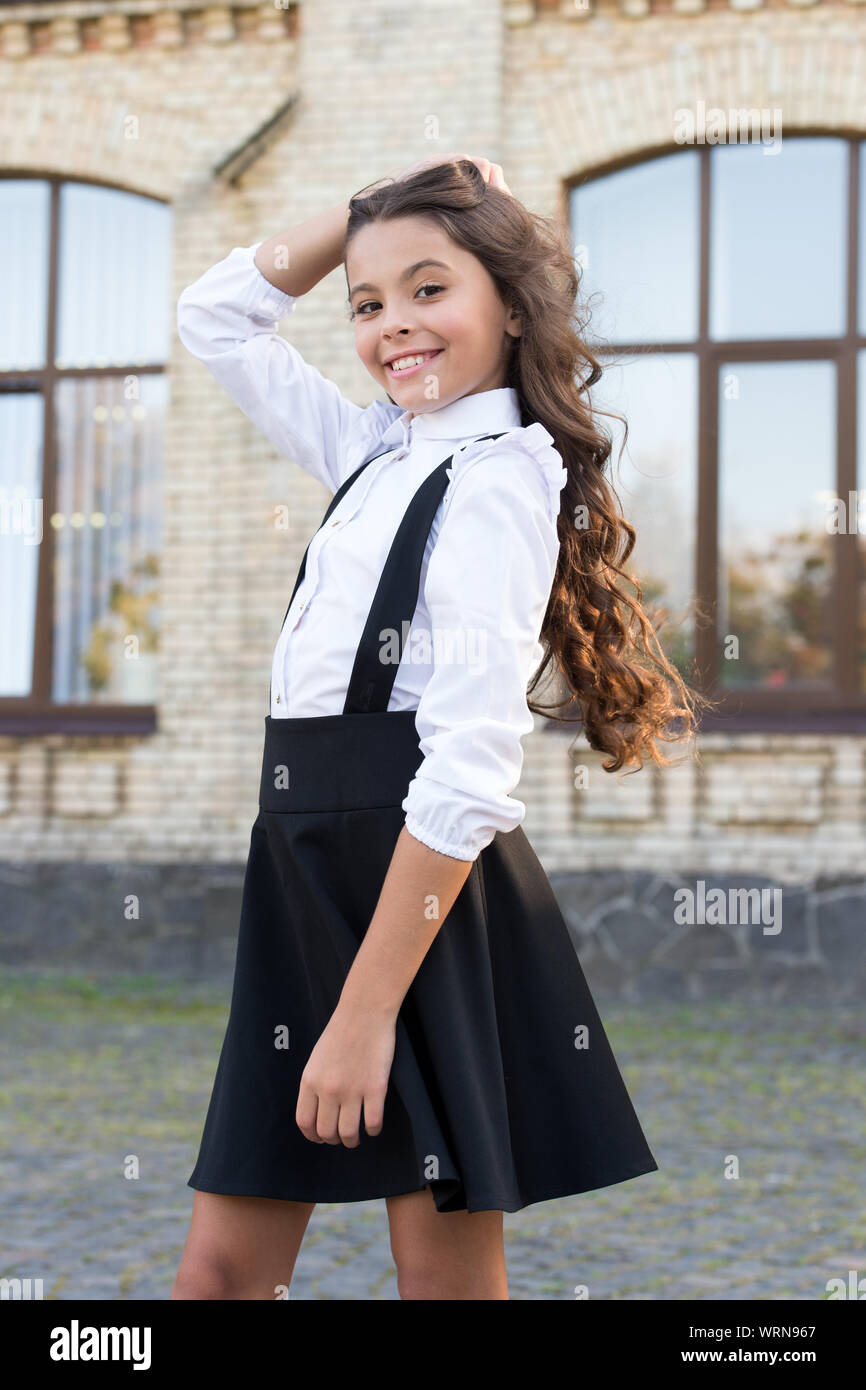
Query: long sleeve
[[228, 320], [487, 587]]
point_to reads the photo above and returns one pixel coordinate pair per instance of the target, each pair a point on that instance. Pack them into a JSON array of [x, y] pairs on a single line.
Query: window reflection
[[861, 517], [113, 308], [777, 476], [775, 228], [861, 311], [21, 530], [655, 480], [24, 209], [777, 240], [636, 232], [107, 539], [93, 606]]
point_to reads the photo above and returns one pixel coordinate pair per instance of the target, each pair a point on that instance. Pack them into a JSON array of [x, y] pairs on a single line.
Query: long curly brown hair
[[601, 640]]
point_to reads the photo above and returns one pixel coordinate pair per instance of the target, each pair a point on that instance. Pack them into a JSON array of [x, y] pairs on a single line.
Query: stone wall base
[[638, 935]]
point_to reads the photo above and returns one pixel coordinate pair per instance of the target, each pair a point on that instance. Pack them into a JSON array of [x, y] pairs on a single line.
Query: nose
[[394, 324]]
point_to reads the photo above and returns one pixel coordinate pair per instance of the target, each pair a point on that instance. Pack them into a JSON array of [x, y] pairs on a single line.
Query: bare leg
[[240, 1247], [446, 1255]]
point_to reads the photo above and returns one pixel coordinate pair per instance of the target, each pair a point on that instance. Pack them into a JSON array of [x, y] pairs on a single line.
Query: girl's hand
[[491, 173], [347, 1069]]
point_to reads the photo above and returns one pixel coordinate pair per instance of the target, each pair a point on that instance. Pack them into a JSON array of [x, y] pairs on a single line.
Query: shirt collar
[[483, 412]]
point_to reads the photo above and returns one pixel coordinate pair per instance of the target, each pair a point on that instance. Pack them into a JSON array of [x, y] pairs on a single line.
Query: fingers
[[338, 1123], [492, 174], [348, 1125], [496, 178], [323, 1119], [306, 1112], [327, 1119], [500, 180], [374, 1106]]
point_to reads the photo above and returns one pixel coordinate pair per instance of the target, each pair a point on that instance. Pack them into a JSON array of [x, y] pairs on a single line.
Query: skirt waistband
[[339, 762]]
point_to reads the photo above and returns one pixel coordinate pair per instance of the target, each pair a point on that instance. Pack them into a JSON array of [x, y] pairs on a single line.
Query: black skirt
[[503, 1089]]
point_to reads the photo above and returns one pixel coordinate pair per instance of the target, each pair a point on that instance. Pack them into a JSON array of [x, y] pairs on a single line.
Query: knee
[[418, 1283], [422, 1277], [206, 1277]]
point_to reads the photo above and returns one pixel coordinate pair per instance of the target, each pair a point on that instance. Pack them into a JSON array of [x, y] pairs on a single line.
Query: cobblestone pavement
[[92, 1072]]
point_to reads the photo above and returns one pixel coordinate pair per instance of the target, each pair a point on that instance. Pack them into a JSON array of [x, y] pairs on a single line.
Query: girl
[[409, 1019]]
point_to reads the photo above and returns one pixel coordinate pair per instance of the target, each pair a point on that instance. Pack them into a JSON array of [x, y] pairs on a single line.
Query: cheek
[[365, 345], [467, 323], [454, 328]]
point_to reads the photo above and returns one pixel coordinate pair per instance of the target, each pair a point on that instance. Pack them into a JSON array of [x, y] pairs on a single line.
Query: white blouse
[[488, 566]]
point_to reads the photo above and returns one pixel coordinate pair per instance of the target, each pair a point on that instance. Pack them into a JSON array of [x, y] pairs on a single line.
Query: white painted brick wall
[[545, 94]]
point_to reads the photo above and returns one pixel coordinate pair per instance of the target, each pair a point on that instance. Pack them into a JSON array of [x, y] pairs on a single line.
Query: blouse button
[[278, 699]]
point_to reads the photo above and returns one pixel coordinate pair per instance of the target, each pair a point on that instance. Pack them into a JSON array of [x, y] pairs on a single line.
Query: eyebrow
[[407, 275]]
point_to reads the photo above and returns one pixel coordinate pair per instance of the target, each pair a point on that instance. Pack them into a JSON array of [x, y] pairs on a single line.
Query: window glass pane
[[21, 529], [636, 234], [861, 312], [861, 517], [24, 213], [777, 473], [107, 541], [114, 281], [656, 480], [777, 239]]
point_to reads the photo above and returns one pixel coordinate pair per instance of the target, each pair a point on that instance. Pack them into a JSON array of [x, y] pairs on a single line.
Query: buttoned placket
[[320, 539]]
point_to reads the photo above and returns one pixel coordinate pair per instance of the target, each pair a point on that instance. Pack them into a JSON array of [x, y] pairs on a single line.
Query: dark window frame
[[842, 708], [37, 713]]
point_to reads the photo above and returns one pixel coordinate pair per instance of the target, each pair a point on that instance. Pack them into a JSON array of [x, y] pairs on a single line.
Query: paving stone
[[90, 1077]]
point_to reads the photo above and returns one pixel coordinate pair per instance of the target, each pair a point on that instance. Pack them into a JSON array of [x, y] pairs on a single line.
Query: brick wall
[[547, 90]]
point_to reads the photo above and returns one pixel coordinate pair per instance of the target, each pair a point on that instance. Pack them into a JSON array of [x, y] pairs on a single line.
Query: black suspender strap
[[396, 598]]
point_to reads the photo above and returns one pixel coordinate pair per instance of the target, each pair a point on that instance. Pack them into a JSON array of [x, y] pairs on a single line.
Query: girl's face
[[416, 293]]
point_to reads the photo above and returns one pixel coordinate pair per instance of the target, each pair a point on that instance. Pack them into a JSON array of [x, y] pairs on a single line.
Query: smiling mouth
[[416, 365]]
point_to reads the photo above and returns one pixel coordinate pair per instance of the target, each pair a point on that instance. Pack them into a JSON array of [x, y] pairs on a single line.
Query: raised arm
[[228, 319], [296, 260]]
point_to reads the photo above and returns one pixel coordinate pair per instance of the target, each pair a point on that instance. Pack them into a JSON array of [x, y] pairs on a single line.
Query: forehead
[[383, 250]]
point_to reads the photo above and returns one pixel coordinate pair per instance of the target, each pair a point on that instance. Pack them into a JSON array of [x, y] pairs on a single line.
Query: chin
[[401, 405]]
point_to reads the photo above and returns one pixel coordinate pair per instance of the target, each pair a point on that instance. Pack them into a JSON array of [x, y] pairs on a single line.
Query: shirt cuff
[[419, 832], [268, 301], [452, 821]]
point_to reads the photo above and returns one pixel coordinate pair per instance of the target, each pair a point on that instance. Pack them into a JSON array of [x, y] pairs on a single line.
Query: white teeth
[[403, 362]]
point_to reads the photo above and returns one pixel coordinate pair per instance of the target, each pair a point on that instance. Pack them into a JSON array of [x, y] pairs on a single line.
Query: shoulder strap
[[396, 597]]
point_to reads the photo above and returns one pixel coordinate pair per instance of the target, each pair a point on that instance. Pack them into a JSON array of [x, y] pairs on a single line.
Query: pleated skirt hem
[[478, 1202]]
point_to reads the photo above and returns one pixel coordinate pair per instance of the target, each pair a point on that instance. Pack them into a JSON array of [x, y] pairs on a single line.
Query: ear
[[513, 324]]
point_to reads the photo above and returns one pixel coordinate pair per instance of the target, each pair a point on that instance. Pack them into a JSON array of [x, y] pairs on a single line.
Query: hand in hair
[[491, 173]]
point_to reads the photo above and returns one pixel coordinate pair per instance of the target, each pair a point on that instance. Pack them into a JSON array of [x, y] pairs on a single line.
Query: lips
[[408, 371]]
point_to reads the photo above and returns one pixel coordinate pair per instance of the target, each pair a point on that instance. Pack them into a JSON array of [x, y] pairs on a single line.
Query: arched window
[[84, 341], [728, 282]]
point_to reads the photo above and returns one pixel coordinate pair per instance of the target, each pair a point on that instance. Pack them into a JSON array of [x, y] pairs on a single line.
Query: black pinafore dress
[[504, 1089]]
